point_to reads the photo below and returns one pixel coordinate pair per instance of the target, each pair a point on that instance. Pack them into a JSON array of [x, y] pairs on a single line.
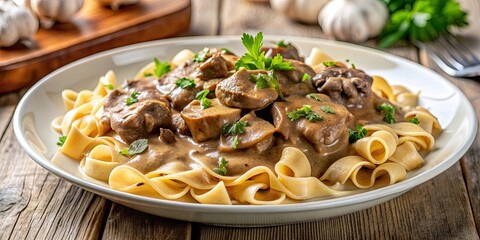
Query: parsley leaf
[[314, 96], [414, 121], [137, 147], [254, 59], [226, 51], [355, 135], [306, 112], [109, 86], [202, 97], [61, 140], [185, 83], [269, 80], [330, 63], [388, 112], [305, 77], [282, 43], [145, 74], [328, 109], [222, 167], [234, 130], [133, 98], [201, 56], [160, 68], [420, 20]]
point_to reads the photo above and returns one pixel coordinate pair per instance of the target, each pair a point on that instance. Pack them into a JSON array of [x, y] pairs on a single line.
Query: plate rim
[[363, 197]]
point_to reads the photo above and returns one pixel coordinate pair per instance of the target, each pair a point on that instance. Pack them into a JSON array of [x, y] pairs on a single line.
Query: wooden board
[[95, 28]]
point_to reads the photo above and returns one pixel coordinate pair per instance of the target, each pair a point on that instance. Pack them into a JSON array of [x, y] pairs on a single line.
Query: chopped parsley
[[222, 167], [354, 136], [202, 97], [226, 51], [305, 77], [133, 98], [109, 86], [282, 43], [145, 74], [61, 140], [330, 63], [306, 112], [327, 109], [388, 112], [234, 130], [185, 83], [414, 121], [254, 59], [160, 68], [353, 65], [269, 80], [201, 56], [314, 96], [137, 147]]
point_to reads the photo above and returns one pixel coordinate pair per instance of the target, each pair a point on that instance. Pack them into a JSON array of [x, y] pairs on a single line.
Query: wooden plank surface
[[34, 204]]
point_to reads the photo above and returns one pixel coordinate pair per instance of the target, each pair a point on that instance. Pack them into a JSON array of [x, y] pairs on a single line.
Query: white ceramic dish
[[43, 103]]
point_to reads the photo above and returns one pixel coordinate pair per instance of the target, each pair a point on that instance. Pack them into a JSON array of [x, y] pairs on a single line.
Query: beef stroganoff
[[267, 127]]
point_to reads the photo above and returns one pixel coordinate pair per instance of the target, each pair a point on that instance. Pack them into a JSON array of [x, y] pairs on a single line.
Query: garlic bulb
[[50, 11], [115, 4], [353, 20], [16, 24], [300, 10]]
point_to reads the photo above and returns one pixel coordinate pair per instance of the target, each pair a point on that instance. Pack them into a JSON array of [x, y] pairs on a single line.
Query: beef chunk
[[179, 124], [139, 119], [291, 81], [214, 67], [166, 136], [327, 136], [240, 92], [258, 131], [289, 52], [346, 86], [205, 124]]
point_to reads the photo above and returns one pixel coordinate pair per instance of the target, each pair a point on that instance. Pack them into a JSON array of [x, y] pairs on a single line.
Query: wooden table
[[35, 204]]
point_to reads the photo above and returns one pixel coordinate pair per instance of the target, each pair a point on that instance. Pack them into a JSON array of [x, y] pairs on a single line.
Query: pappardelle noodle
[[267, 127]]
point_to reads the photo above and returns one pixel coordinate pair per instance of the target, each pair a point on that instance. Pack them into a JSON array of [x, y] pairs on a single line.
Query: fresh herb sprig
[[414, 120], [305, 77], [185, 83], [133, 98], [222, 167], [282, 43], [234, 130], [388, 111], [311, 95], [329, 63], [327, 109], [422, 20], [354, 136], [202, 97], [201, 56], [306, 112], [267, 81], [109, 86], [160, 68], [137, 147], [61, 140]]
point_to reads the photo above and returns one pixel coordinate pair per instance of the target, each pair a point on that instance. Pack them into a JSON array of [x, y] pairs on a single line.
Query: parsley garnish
[[327, 109], [388, 112], [202, 97], [306, 112], [314, 96], [109, 86], [330, 63], [254, 59], [222, 167], [414, 120], [61, 140], [160, 68], [305, 77], [185, 83], [355, 135], [282, 43], [145, 74], [137, 147], [234, 130], [263, 80], [133, 98], [226, 51], [201, 56]]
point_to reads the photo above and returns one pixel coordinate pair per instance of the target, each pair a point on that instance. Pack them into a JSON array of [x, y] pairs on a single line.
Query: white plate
[[43, 103]]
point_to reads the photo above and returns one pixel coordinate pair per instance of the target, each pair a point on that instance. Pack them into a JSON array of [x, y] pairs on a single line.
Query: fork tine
[[444, 53], [448, 48], [462, 51]]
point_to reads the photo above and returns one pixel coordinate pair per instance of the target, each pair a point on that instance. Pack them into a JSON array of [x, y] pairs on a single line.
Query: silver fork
[[452, 56]]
